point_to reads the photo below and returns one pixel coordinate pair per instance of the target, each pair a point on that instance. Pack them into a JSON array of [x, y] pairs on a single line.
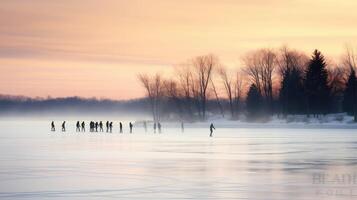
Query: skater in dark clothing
[[182, 127], [64, 126], [101, 126], [145, 127], [91, 126], [78, 127], [131, 127], [53, 126], [211, 127], [159, 127], [107, 126], [110, 126], [154, 127], [96, 126], [83, 127], [120, 127]]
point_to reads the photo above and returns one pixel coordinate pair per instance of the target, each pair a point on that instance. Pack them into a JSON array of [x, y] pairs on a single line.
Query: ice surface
[[237, 163]]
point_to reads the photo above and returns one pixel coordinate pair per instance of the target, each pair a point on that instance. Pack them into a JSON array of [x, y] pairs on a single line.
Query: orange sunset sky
[[97, 47]]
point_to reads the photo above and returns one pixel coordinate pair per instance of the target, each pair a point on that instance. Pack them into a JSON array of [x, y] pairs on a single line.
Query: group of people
[[93, 127]]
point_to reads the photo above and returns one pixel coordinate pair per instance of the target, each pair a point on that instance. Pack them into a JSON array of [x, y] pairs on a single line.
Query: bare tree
[[217, 98], [228, 87], [350, 58], [174, 95], [146, 82], [154, 88], [291, 59], [203, 67], [259, 66], [350, 61], [237, 93], [185, 81], [336, 80]]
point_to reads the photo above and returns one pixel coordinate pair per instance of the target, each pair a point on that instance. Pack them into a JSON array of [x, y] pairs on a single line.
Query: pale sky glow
[[96, 48]]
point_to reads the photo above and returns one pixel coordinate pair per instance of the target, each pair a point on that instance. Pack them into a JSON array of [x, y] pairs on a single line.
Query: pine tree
[[316, 86], [349, 96], [254, 102], [292, 92]]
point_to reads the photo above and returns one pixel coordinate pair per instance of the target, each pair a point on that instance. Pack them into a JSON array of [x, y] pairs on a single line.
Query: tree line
[[269, 82]]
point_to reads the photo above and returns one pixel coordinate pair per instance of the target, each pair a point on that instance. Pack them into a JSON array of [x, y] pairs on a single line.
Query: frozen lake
[[237, 163]]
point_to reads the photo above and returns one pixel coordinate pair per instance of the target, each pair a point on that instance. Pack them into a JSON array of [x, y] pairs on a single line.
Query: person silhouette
[[64, 126], [182, 127], [78, 127], [110, 126], [96, 126], [154, 127], [131, 127], [211, 127], [53, 126], [159, 127], [83, 127], [145, 126], [107, 126], [120, 127], [101, 126], [91, 126]]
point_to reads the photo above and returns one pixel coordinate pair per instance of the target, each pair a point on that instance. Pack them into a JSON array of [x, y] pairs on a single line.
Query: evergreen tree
[[292, 92], [254, 102], [349, 96], [316, 85]]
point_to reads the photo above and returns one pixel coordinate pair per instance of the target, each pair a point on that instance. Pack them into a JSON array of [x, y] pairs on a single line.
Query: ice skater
[[159, 127], [91, 126], [131, 127], [107, 126], [64, 126], [83, 127], [110, 126], [182, 127], [120, 127], [101, 126], [211, 127], [53, 128], [96, 126], [78, 127], [154, 127]]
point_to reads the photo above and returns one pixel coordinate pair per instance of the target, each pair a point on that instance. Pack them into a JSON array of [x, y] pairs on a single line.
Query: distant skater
[[53, 128], [159, 127], [131, 127], [96, 126], [91, 126], [120, 127], [110, 126], [182, 127], [83, 127], [145, 127], [107, 126], [78, 127], [211, 127], [154, 127], [64, 126], [101, 126]]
